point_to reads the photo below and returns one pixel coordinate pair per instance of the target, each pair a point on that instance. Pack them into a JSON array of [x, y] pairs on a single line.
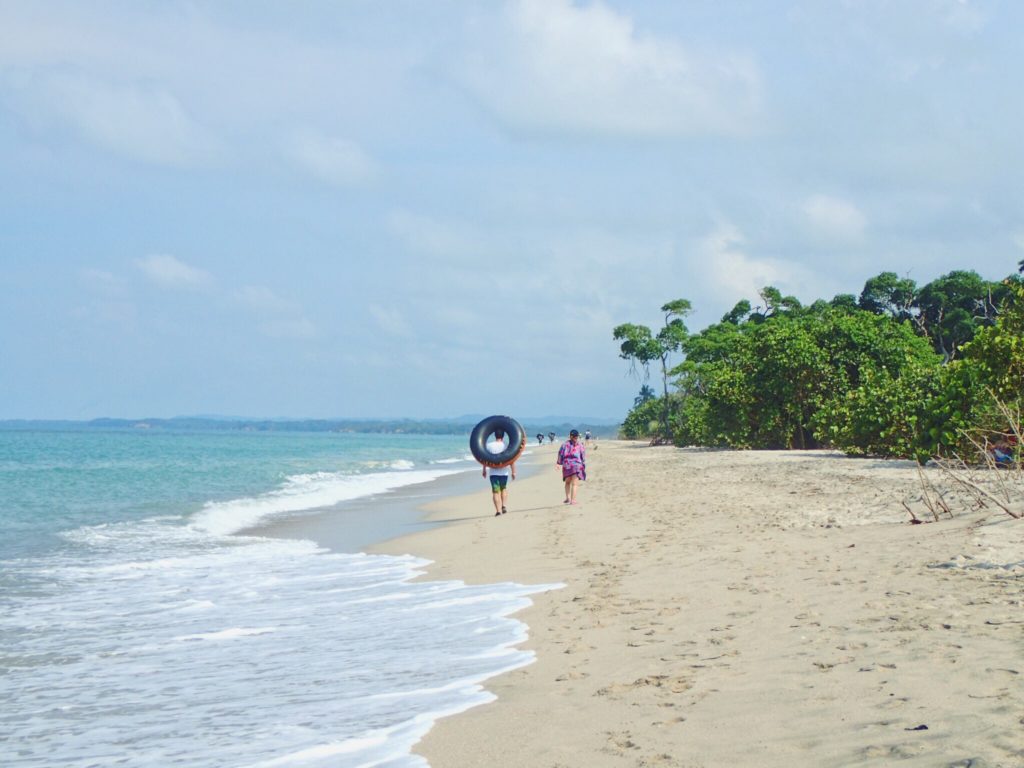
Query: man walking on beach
[[499, 476]]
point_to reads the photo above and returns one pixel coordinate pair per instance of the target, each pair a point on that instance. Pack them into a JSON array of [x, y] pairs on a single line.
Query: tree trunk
[[665, 409]]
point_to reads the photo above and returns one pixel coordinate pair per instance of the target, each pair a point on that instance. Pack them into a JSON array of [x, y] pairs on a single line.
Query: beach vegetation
[[948, 311], [977, 387], [898, 371], [645, 394], [643, 421], [640, 346], [889, 294]]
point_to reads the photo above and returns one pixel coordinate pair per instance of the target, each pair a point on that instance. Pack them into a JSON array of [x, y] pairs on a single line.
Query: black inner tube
[[478, 441]]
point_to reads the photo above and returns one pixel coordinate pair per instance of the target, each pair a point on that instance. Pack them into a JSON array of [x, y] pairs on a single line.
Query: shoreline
[[358, 525], [738, 608]]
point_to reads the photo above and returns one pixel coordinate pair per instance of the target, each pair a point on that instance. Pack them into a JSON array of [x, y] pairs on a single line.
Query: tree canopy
[[898, 371]]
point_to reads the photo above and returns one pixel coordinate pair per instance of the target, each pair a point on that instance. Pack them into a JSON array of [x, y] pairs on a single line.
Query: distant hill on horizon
[[456, 425]]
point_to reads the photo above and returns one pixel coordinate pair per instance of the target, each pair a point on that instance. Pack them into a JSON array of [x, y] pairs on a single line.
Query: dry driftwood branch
[[932, 497], [913, 518], [985, 480], [977, 491]]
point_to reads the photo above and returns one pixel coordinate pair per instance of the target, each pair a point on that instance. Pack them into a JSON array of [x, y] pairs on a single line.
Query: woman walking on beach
[[572, 458]]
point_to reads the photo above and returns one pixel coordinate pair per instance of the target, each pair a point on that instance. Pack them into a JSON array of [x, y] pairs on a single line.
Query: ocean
[[139, 628]]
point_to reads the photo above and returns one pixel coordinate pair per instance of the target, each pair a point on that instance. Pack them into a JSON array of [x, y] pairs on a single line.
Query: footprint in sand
[[572, 675], [663, 684]]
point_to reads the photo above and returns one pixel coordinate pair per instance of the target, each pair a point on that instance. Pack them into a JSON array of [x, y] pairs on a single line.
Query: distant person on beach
[[551, 437], [540, 438], [572, 458], [499, 476]]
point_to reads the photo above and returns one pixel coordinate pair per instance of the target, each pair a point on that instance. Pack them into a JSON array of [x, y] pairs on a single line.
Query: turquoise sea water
[[138, 628], [52, 482]]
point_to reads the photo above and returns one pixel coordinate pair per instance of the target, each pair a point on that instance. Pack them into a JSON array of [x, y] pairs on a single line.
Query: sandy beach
[[740, 609]]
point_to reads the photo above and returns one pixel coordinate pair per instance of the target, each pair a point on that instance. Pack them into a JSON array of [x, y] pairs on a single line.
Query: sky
[[355, 208]]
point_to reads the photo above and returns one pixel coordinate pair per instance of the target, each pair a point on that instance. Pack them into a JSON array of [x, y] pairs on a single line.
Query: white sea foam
[[455, 459], [400, 464], [301, 493], [227, 634], [225, 651]]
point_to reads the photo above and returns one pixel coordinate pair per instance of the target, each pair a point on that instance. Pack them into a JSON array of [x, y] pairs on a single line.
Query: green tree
[[774, 303], [758, 381], [953, 307], [780, 382], [989, 371], [852, 373], [738, 313], [846, 302], [642, 420], [889, 294], [639, 345], [883, 415], [646, 393]]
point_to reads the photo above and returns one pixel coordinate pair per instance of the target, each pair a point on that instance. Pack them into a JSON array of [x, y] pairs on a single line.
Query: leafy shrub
[[643, 420], [883, 416]]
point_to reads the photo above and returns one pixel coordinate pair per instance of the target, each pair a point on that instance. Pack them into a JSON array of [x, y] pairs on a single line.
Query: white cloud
[[729, 271], [261, 299], [141, 121], [723, 270], [103, 282], [456, 318], [276, 317], [963, 15], [555, 66], [833, 220], [183, 84], [334, 160], [288, 328], [107, 301], [438, 238], [390, 320], [168, 271]]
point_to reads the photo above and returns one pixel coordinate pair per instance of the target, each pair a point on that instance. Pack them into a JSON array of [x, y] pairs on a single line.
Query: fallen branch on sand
[[994, 478], [957, 471]]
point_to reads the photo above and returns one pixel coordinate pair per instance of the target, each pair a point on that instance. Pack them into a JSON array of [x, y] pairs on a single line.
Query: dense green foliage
[[781, 381], [643, 420], [989, 371], [899, 371]]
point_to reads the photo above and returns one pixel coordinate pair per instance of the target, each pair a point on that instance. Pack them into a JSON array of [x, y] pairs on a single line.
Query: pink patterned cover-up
[[573, 460]]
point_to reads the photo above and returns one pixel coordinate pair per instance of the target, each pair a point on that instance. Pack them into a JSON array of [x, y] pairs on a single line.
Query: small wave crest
[[378, 465], [300, 493], [454, 459], [290, 645]]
